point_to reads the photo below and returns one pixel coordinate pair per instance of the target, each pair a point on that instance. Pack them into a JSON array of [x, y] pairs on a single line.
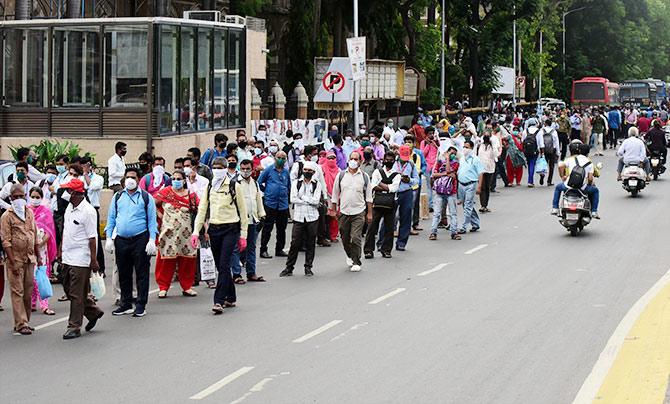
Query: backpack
[[385, 200], [577, 175], [530, 145], [548, 142], [299, 184], [366, 180]]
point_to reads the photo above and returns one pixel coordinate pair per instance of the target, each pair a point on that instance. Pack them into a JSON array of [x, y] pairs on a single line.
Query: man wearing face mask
[[146, 161], [116, 167], [196, 182], [28, 156], [262, 134], [352, 194], [311, 154], [269, 160], [369, 164], [47, 185], [339, 152], [94, 183], [219, 150], [389, 132], [155, 181], [132, 217], [19, 240], [253, 200], [62, 162], [242, 146], [470, 177], [385, 184], [259, 155], [296, 150], [275, 183], [21, 178], [350, 144], [194, 154], [79, 257], [378, 149]]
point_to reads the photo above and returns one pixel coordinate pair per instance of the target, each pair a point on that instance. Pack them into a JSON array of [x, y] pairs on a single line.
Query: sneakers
[[139, 312], [554, 212], [121, 311], [308, 272], [355, 268], [286, 272], [350, 262], [595, 215]]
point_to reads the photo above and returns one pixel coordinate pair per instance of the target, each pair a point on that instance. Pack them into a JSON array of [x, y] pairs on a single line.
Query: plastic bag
[[541, 166], [207, 265], [43, 284], [98, 285]]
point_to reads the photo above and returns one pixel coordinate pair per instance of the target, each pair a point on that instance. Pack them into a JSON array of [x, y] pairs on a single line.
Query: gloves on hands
[[194, 241], [242, 244], [151, 248], [109, 245]]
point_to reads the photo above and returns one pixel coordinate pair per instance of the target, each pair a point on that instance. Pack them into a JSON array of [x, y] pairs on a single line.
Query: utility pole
[[539, 94], [514, 54], [563, 21], [357, 93], [442, 71]]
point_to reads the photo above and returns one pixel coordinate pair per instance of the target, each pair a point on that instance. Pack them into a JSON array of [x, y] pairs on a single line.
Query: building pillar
[[301, 99], [277, 102], [256, 102]]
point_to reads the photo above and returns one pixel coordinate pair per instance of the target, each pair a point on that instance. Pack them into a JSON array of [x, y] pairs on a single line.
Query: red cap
[[76, 185]]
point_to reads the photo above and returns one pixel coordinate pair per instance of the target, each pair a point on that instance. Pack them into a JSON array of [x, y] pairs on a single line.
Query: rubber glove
[[242, 244], [151, 248], [109, 246], [194, 241]]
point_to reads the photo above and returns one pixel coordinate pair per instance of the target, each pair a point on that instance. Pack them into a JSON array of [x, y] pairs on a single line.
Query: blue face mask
[[177, 184], [51, 178], [61, 169]]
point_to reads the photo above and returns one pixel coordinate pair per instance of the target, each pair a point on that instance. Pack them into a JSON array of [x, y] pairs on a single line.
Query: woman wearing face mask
[[177, 207], [46, 241], [487, 155], [515, 160], [330, 172]]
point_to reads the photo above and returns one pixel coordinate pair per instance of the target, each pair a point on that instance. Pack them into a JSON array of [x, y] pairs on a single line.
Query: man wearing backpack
[[385, 183], [352, 194], [548, 143], [219, 150], [577, 172], [157, 179], [531, 151], [305, 197], [132, 218]]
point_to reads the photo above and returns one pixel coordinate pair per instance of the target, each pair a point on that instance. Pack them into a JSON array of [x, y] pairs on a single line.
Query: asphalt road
[[517, 313]]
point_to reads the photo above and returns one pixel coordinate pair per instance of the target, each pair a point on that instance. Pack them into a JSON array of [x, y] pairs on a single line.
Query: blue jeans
[[531, 169], [405, 205], [429, 188], [467, 194], [592, 191], [439, 200], [249, 254]]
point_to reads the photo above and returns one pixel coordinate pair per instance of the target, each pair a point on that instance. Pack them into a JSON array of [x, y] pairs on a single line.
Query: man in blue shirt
[[409, 180], [219, 150], [275, 183], [131, 230], [470, 172], [614, 123]]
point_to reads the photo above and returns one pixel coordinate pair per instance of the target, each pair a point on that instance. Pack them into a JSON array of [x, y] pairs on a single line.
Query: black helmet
[[584, 149], [575, 147]]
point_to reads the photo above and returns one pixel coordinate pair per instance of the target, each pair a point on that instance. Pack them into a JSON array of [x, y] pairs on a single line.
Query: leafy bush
[[48, 150]]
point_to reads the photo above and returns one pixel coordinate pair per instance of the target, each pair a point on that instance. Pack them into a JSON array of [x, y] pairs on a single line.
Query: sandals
[[255, 278], [456, 236], [432, 236], [48, 312], [63, 298], [229, 304], [25, 330], [239, 280], [162, 294], [211, 285], [217, 309], [189, 293]]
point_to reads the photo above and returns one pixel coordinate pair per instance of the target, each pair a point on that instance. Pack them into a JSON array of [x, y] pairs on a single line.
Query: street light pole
[[564, 15], [514, 55], [539, 94], [357, 93], [442, 71]]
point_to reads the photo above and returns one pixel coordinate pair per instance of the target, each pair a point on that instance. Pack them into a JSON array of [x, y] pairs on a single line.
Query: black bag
[[530, 145], [384, 200], [577, 175], [548, 142]]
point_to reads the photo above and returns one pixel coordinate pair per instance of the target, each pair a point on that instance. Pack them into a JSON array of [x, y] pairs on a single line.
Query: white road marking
[[474, 250], [353, 328], [386, 296], [64, 319], [316, 332], [260, 385], [589, 389], [221, 383], [434, 269]]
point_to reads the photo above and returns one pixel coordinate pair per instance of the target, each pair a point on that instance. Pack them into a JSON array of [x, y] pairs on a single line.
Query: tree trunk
[[411, 37], [337, 32], [430, 16]]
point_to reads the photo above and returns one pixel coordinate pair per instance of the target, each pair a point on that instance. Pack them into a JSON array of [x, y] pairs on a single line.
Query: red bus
[[594, 91]]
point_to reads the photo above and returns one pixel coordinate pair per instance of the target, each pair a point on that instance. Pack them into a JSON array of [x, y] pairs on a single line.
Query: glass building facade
[[126, 76]]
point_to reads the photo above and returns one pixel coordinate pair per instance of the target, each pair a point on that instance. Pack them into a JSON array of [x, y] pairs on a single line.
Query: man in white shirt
[[352, 194], [578, 156], [633, 151], [388, 129], [21, 177], [29, 156], [305, 196], [116, 167], [78, 255], [385, 183], [549, 145], [196, 182]]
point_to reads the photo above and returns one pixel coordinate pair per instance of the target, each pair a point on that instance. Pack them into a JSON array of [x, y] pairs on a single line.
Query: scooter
[[574, 211], [633, 179], [657, 161]]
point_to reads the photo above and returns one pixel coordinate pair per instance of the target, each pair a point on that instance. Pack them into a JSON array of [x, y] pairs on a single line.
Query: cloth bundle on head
[[405, 152], [310, 165]]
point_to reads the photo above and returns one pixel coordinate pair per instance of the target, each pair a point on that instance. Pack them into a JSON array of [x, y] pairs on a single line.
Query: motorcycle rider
[[656, 140], [578, 155], [633, 151]]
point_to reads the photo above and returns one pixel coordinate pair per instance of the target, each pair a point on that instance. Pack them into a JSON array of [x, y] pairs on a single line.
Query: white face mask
[[261, 133], [353, 164], [66, 196], [131, 184], [390, 125], [158, 171], [362, 131], [299, 144], [348, 140], [272, 149], [314, 159], [35, 201], [467, 152], [19, 207], [218, 173], [188, 170]]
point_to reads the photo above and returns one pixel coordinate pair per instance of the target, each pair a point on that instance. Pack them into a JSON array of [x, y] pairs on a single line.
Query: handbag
[[43, 285], [384, 200], [98, 285], [207, 264]]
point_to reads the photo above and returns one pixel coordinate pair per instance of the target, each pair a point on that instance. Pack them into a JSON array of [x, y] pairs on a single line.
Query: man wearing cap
[[78, 254], [409, 178]]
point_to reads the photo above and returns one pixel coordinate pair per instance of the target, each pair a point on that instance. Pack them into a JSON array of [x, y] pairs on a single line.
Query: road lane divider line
[[221, 383], [436, 268], [64, 319], [387, 296], [474, 250], [316, 332], [596, 379]]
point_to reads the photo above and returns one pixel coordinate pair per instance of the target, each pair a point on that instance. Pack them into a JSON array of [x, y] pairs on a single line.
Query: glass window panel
[[25, 68], [126, 66], [234, 65], [188, 93], [76, 67], [204, 78], [168, 85], [220, 76]]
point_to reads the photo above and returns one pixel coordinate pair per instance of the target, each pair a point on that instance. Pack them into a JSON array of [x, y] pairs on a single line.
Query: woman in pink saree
[[46, 237]]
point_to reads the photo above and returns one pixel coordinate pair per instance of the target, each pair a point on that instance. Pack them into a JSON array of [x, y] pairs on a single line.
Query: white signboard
[[505, 85], [334, 85], [356, 49], [313, 131]]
